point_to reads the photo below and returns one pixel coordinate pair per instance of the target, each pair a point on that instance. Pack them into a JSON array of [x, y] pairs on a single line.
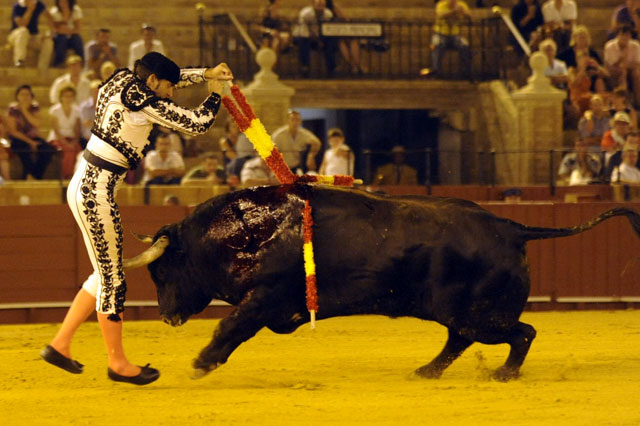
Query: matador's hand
[[220, 72]]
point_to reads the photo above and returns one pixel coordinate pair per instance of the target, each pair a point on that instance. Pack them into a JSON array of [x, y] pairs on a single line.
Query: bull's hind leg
[[520, 339], [454, 347]]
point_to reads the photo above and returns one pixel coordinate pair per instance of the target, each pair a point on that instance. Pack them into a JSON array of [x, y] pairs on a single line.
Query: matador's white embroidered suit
[[126, 109]]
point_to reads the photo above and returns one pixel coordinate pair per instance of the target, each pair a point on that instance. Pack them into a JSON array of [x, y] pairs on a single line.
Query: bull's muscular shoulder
[[137, 95]]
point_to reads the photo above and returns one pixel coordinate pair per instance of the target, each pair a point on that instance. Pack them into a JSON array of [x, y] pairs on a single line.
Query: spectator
[[25, 17], [594, 123], [163, 166], [338, 159], [614, 139], [560, 17], [66, 129], [308, 37], [23, 124], [67, 17], [292, 140], [579, 167], [229, 141], [447, 34], [88, 111], [106, 70], [397, 172], [626, 14], [275, 33], [171, 200], [101, 50], [148, 43], [527, 17], [349, 48], [209, 171], [556, 70], [5, 149], [619, 101], [627, 172], [74, 77], [633, 138], [586, 73], [256, 172], [622, 59]]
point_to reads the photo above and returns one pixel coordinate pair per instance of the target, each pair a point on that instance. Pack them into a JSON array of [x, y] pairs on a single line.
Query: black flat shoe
[[54, 357], [146, 376]]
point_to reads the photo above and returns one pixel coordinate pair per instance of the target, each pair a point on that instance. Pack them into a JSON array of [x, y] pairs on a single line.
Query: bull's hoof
[[428, 372], [199, 373], [504, 374], [201, 369]]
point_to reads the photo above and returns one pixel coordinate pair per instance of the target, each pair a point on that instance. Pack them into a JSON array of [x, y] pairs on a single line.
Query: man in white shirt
[[74, 77], [622, 60], [148, 43], [627, 171], [293, 139], [560, 17], [163, 166], [308, 36]]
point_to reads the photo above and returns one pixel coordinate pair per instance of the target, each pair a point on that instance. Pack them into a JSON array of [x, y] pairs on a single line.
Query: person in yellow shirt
[[397, 172], [447, 34]]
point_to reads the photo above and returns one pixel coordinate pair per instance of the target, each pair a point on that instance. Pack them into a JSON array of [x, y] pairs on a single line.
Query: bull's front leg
[[247, 319]]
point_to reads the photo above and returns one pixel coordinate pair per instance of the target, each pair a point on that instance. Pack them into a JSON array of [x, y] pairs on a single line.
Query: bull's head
[[166, 263]]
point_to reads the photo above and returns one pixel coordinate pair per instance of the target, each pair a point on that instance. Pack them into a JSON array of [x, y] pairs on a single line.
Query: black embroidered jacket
[[126, 109]]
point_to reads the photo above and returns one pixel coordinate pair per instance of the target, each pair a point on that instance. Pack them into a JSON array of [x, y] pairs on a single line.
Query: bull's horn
[[149, 255], [147, 239]]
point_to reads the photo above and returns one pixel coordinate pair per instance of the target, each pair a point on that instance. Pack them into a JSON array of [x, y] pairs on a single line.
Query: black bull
[[440, 259]]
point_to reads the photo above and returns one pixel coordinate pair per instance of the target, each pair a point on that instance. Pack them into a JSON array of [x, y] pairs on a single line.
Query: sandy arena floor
[[583, 369]]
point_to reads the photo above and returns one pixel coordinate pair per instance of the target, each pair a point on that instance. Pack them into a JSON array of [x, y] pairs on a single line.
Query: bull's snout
[[174, 321]]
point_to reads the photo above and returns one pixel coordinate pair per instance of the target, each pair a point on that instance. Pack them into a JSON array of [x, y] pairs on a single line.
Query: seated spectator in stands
[[349, 48], [627, 171], [148, 43], [73, 76], [23, 125], [625, 14], [615, 160], [622, 59], [594, 123], [338, 159], [5, 149], [106, 70], [163, 166], [101, 50], [397, 172], [229, 141], [614, 139], [619, 101], [586, 73], [177, 143], [67, 17], [66, 129], [209, 172], [560, 17], [579, 167], [308, 37], [275, 31], [556, 70], [25, 17], [171, 200], [256, 172], [87, 111], [527, 17], [292, 140], [447, 34]]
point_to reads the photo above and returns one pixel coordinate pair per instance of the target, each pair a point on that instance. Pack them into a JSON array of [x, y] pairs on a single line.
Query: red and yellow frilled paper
[[253, 129]]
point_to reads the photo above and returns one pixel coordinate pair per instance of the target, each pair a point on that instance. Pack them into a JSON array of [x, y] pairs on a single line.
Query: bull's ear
[[147, 239]]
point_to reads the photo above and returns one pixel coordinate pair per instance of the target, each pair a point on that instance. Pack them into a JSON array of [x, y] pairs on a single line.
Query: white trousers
[[19, 39], [91, 197]]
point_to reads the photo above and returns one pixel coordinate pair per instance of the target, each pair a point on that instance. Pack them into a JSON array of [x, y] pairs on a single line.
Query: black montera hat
[[163, 67]]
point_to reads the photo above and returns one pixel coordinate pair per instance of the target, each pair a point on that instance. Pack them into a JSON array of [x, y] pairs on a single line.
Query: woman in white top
[[65, 129], [66, 16], [338, 159]]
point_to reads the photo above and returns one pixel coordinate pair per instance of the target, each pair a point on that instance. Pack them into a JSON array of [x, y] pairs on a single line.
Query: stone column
[[539, 107], [269, 97]]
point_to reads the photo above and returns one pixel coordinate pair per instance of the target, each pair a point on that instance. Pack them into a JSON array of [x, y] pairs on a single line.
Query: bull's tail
[[538, 233]]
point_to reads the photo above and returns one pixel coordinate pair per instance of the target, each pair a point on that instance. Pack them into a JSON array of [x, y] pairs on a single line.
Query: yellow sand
[[583, 369]]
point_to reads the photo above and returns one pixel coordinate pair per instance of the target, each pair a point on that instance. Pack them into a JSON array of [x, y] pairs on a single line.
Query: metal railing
[[404, 49]]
